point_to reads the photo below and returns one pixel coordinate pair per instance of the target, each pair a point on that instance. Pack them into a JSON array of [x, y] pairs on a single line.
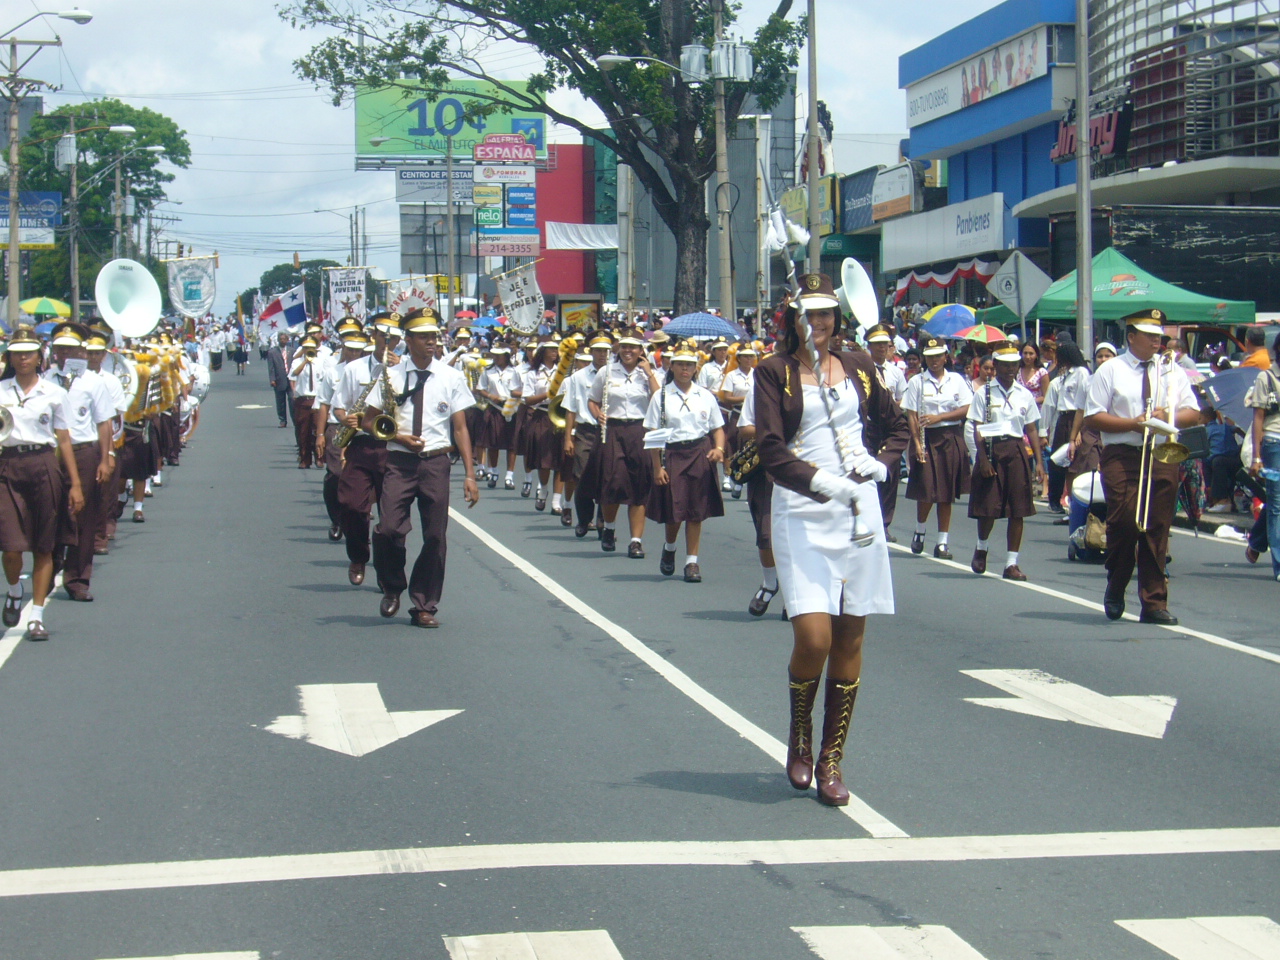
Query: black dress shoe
[[889, 537], [1162, 618], [36, 631], [667, 563], [1113, 603], [390, 604], [335, 533], [692, 573], [979, 562], [759, 604], [493, 481], [79, 593], [421, 618], [942, 552], [635, 551], [526, 489], [12, 610], [508, 484], [608, 540], [540, 504], [917, 543], [355, 574], [566, 517], [580, 531]]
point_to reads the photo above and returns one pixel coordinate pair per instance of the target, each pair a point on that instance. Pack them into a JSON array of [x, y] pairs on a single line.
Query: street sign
[[489, 216], [1019, 284], [39, 212], [522, 216], [486, 193], [505, 148], [439, 280], [507, 242], [426, 185], [493, 173]]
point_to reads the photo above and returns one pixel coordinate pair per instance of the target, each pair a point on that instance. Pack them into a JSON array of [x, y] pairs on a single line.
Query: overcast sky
[[267, 149]]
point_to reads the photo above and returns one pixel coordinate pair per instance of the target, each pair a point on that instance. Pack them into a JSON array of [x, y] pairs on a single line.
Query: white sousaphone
[[128, 298], [857, 294]]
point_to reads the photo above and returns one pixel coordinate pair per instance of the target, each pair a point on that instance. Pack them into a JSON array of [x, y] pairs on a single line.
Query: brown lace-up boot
[[838, 711], [800, 738]]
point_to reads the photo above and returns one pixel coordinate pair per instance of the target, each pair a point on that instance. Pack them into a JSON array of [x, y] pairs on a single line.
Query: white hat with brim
[[1104, 345]]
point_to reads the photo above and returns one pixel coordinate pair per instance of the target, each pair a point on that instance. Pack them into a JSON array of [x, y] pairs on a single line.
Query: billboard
[[954, 232], [418, 122], [990, 73], [426, 185], [895, 192], [39, 211], [855, 200]]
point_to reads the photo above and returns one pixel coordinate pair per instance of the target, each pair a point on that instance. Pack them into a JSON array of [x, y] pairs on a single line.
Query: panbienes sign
[[521, 299], [410, 121], [192, 285], [955, 232], [993, 72]]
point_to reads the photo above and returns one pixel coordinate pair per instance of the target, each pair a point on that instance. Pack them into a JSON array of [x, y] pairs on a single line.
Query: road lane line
[[1097, 607], [857, 810], [242, 955], [925, 942], [1211, 938], [48, 881], [552, 945]]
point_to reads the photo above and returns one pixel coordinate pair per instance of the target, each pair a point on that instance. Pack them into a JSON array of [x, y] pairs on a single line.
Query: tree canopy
[[652, 113]]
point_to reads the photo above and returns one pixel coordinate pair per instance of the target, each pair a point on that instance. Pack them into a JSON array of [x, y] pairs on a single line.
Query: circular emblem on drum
[[442, 407], [814, 281]]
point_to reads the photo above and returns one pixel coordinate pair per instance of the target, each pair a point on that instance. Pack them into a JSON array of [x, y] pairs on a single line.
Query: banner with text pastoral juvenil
[[521, 298], [346, 292], [192, 285]]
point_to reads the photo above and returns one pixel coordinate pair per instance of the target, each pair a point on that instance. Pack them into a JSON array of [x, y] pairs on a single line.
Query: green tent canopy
[[1121, 287]]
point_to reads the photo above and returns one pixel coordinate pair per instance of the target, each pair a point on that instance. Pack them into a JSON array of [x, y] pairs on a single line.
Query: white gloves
[[868, 466], [840, 489]]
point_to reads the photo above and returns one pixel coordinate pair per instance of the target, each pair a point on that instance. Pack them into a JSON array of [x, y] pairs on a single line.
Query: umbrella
[[983, 333], [703, 325], [44, 328], [465, 315], [946, 320], [486, 322], [47, 306], [1226, 392]]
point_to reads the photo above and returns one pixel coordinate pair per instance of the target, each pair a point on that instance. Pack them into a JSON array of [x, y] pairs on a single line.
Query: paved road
[[598, 749]]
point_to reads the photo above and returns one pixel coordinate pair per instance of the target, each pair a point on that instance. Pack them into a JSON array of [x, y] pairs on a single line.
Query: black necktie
[[1146, 383], [416, 392]]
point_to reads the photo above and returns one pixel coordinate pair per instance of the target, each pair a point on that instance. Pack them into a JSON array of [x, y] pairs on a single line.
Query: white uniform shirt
[[737, 383], [1074, 392], [1010, 411], [710, 375], [534, 382], [747, 418], [444, 393], [690, 416], [305, 377], [892, 377], [356, 376], [1116, 388], [927, 396], [89, 403], [502, 383], [328, 387], [577, 390], [36, 414], [628, 392]]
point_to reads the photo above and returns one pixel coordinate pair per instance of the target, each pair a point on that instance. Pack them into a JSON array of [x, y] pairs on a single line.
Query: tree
[[651, 112], [98, 149]]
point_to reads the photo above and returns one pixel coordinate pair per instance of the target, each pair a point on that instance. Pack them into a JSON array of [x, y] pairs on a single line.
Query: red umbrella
[[466, 314], [548, 314], [982, 333]]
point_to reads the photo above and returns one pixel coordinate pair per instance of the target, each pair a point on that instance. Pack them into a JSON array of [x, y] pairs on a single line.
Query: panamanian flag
[[285, 311]]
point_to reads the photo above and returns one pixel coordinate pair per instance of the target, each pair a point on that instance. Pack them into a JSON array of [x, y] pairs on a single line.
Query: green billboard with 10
[[418, 123]]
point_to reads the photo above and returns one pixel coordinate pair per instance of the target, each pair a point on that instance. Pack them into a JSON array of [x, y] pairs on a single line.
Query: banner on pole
[[521, 299], [416, 293], [192, 285], [346, 292]]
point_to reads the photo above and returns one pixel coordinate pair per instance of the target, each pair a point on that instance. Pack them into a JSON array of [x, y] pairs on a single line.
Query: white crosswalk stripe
[[928, 942], [1211, 938], [244, 955], [552, 945]]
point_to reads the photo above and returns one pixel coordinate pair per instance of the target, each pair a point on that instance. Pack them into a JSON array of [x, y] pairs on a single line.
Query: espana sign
[[419, 123]]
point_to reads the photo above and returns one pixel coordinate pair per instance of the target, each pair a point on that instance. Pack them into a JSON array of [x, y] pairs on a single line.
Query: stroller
[[1087, 500]]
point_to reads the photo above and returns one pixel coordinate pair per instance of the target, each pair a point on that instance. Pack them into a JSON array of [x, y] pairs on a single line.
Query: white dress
[[820, 570]]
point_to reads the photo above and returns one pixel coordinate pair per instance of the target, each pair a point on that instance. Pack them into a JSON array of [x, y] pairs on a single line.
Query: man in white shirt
[[1001, 484], [880, 344], [326, 422], [304, 380], [90, 411], [582, 431], [1128, 396], [431, 399]]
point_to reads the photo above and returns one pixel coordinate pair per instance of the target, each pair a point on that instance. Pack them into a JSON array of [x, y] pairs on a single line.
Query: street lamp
[[14, 88]]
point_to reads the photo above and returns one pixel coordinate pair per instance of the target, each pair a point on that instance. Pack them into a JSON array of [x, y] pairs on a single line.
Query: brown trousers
[[111, 510], [77, 563], [359, 488], [333, 470], [1125, 544], [410, 478], [304, 430]]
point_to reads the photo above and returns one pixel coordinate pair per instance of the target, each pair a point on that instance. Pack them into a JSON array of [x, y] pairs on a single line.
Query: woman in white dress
[[810, 440]]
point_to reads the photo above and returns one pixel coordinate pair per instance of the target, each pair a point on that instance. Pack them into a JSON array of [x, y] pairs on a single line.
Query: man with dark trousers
[[1130, 396], [430, 398], [278, 374]]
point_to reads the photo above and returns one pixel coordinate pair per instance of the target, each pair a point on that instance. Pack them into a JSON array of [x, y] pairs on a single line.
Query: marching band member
[[732, 392], [1003, 417], [499, 383], [810, 431], [430, 398], [1134, 388], [327, 423], [582, 430], [541, 445], [567, 478], [365, 458], [30, 481], [760, 503], [880, 345], [712, 372], [109, 492], [936, 404], [522, 414], [623, 471], [89, 412], [304, 380], [684, 474]]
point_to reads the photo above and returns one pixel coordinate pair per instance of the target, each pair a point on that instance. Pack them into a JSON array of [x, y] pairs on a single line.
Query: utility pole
[[728, 309], [1084, 186], [73, 239], [815, 241], [117, 208], [452, 229]]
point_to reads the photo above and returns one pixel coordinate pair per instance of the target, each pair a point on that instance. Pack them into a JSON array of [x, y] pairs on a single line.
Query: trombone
[[1168, 451]]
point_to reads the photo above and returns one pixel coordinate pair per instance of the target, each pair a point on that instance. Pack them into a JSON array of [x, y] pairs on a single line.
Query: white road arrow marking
[[252, 406], [1211, 938], [351, 718], [554, 945], [887, 943], [1041, 694], [247, 955]]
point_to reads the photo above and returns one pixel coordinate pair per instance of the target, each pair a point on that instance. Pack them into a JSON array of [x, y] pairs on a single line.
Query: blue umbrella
[[484, 322], [948, 320], [1226, 392], [45, 328], [701, 325]]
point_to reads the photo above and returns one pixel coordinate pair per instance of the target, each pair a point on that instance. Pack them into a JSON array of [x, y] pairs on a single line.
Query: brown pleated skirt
[[945, 478], [499, 433], [692, 493], [30, 496], [1009, 493], [543, 445], [620, 470]]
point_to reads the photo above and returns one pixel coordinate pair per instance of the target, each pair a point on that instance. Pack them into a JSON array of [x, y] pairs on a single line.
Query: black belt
[[618, 421], [424, 455], [681, 444], [25, 448], [948, 427], [586, 428]]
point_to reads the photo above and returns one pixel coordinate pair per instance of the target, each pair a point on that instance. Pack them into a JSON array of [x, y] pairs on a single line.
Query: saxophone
[[348, 433]]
